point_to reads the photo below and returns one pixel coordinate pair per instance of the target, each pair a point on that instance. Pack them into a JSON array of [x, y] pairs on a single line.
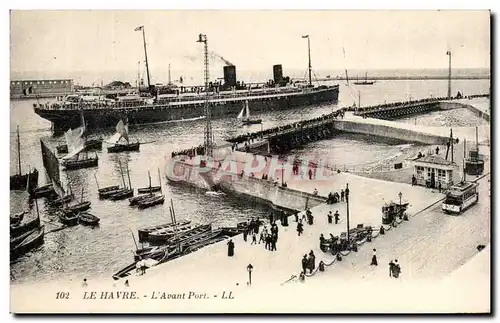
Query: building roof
[[433, 159]]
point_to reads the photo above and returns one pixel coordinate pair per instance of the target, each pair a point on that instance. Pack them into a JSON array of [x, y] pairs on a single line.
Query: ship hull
[[108, 118]]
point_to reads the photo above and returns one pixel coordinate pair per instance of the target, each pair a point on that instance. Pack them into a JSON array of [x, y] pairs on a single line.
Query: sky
[[98, 42]]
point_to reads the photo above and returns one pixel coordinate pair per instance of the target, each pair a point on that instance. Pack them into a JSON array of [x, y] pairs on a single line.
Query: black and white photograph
[[250, 161]]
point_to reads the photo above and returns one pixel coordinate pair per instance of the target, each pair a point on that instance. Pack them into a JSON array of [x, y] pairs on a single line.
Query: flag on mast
[[139, 28], [305, 36]]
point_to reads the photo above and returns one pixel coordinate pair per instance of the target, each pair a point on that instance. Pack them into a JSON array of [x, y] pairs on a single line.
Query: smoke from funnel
[[215, 55]]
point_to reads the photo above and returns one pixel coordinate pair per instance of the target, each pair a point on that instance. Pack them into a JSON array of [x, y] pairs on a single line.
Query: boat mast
[[121, 172], [149, 176], [159, 179], [449, 74], [128, 174], [19, 151], [309, 54]]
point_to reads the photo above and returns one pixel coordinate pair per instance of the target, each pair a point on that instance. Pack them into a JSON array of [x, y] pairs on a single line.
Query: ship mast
[[449, 74], [209, 146], [309, 52], [145, 54], [19, 151]]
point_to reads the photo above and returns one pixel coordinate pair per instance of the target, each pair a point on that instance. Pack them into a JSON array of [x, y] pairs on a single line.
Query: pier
[[369, 120]]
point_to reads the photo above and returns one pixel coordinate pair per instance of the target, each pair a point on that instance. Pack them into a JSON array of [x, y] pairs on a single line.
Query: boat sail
[[244, 116], [75, 139], [121, 132], [22, 181]]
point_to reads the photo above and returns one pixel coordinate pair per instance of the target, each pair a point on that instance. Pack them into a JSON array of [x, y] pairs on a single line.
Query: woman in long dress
[[374, 258]]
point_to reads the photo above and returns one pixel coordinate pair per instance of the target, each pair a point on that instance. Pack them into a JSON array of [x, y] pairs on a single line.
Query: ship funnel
[[230, 75], [278, 73]]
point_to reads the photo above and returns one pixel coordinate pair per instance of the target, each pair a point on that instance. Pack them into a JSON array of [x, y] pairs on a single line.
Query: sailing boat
[[76, 140], [244, 116], [153, 199], [27, 240], [149, 190], [19, 181], [365, 82], [126, 191], [121, 132], [71, 211]]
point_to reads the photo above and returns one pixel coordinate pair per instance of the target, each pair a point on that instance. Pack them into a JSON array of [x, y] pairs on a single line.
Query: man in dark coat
[[342, 195], [271, 217], [304, 263], [312, 261], [245, 234], [336, 215], [274, 238], [310, 219], [268, 242], [230, 248], [296, 217], [274, 230], [391, 268], [300, 227], [396, 269], [257, 226], [330, 217]]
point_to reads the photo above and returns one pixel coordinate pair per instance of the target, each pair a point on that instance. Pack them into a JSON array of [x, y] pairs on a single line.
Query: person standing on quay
[[245, 234], [305, 262], [374, 258], [342, 195], [336, 215], [230, 248], [254, 238], [312, 262], [300, 227], [330, 217], [274, 238]]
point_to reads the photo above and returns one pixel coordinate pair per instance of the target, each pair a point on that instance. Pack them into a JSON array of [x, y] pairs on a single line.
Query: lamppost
[[249, 269], [347, 201], [400, 196]]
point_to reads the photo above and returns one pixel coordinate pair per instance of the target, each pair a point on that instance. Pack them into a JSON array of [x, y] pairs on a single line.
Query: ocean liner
[[154, 104]]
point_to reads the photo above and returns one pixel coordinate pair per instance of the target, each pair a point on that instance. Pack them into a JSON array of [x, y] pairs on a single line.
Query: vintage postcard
[[250, 161]]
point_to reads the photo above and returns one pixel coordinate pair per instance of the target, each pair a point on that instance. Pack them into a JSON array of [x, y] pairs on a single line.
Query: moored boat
[[144, 232], [18, 229], [68, 218], [87, 218], [22, 181], [92, 144], [152, 201], [122, 133], [79, 207], [118, 148], [152, 189], [107, 194], [33, 240], [134, 200], [43, 191], [121, 195]]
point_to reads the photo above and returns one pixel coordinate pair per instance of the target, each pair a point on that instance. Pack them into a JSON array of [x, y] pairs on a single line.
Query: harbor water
[[79, 251]]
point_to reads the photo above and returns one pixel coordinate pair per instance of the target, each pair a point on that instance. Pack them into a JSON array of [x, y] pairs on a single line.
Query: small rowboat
[[77, 207], [122, 195], [134, 200], [70, 219], [87, 218], [109, 188], [107, 194], [152, 201], [144, 190], [144, 232]]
